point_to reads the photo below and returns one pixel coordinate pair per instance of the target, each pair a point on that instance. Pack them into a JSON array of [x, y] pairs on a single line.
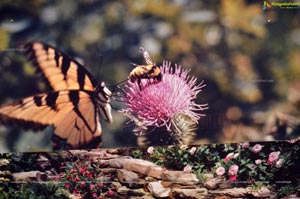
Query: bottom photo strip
[[232, 170]]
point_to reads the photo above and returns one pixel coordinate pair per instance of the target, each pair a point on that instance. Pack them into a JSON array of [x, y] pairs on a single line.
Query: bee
[[148, 71]]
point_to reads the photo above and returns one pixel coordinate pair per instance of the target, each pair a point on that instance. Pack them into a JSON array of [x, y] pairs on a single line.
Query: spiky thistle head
[[169, 103]]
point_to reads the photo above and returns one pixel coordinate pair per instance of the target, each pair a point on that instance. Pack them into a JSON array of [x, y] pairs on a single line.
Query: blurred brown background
[[248, 57]]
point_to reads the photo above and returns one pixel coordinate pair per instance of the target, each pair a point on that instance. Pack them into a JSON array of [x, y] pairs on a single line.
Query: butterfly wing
[[74, 115], [61, 71]]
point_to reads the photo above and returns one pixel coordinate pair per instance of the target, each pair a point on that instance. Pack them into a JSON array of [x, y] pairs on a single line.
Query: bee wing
[[146, 56]]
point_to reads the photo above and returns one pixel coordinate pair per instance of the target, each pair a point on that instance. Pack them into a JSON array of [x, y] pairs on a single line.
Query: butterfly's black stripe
[[51, 100], [45, 47], [74, 98], [37, 100], [56, 57], [80, 77], [65, 65]]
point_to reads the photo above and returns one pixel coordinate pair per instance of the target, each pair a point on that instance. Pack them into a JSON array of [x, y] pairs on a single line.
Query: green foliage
[[137, 153], [50, 190], [87, 179], [23, 162], [254, 167]]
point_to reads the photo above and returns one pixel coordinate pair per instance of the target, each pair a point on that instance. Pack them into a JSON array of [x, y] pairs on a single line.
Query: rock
[[30, 176], [225, 185], [222, 197], [234, 192], [158, 190], [198, 193], [113, 151], [72, 196], [144, 167], [108, 170], [263, 192], [213, 183], [125, 191], [180, 177], [43, 163], [118, 162], [129, 178]]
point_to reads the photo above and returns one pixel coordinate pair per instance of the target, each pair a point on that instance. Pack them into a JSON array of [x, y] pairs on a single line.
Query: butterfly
[[148, 71], [73, 106]]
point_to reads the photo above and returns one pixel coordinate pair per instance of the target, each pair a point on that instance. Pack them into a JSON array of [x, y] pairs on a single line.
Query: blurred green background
[[248, 57]]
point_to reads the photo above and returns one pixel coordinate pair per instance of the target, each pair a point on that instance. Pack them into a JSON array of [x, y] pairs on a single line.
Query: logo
[[280, 4]]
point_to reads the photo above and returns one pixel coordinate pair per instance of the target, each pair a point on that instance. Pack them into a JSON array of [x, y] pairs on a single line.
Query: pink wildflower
[[245, 145], [92, 186], [232, 178], [273, 157], [279, 163], [82, 184], [193, 150], [150, 150], [220, 171], [157, 103], [256, 148], [67, 185], [94, 195], [258, 161], [187, 168], [76, 179], [73, 170], [233, 170], [236, 155], [110, 192], [82, 170], [228, 157]]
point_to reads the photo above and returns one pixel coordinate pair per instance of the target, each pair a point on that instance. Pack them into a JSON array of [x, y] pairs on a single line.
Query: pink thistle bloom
[[157, 103], [256, 148], [187, 168], [150, 150], [228, 157], [273, 157], [220, 171], [233, 170]]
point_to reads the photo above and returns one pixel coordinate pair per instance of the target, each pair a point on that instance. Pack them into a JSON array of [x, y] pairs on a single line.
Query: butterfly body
[[74, 105]]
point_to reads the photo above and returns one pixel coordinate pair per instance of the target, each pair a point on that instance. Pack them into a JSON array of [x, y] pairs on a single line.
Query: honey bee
[[148, 71]]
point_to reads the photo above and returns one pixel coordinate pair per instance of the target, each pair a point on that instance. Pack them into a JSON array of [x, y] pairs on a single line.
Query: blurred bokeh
[[248, 57]]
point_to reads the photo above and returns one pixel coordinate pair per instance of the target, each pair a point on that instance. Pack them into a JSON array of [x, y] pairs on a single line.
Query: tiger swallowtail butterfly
[[73, 106]]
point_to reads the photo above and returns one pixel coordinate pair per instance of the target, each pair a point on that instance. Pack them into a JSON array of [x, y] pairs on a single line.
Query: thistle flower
[[169, 103]]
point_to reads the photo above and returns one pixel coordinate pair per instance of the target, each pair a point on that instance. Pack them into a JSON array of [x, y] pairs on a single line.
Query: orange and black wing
[[74, 115], [61, 71]]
